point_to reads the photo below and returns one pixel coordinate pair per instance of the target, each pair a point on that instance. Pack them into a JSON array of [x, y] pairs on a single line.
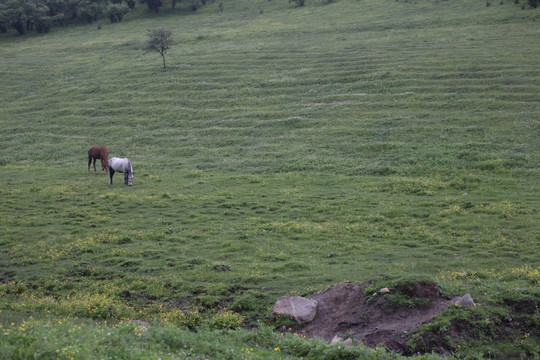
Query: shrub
[[89, 12], [153, 5], [115, 12], [195, 4], [180, 318], [225, 319], [246, 302]]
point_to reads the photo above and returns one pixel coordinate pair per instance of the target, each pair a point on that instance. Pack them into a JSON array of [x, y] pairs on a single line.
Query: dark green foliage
[[26, 15], [60, 7], [195, 4], [45, 23], [89, 10], [153, 5], [115, 12], [42, 15]]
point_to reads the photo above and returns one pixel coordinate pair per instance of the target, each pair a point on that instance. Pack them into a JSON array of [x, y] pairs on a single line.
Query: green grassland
[[283, 150]]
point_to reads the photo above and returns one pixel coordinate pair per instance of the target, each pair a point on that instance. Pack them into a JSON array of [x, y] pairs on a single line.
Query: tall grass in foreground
[[281, 152], [65, 339]]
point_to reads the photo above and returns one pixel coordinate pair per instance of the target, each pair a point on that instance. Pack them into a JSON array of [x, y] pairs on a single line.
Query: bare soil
[[345, 311]]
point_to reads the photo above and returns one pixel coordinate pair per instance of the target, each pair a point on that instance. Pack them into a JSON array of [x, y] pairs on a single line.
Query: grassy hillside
[[283, 150]]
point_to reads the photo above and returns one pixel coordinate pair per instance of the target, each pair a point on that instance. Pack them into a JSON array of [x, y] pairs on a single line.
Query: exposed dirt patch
[[522, 306], [344, 310]]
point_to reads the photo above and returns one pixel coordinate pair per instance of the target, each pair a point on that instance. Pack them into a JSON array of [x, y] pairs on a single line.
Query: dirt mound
[[344, 310]]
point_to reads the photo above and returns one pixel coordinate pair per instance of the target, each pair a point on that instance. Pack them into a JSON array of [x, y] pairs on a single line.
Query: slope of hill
[[283, 150]]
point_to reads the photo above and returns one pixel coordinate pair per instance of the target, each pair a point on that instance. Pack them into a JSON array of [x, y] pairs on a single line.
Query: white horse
[[123, 166]]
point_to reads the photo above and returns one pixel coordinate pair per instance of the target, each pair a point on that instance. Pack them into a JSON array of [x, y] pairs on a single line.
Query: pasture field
[[283, 150]]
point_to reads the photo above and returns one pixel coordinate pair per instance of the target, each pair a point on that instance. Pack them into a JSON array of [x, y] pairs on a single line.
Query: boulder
[[301, 309], [465, 300], [339, 339]]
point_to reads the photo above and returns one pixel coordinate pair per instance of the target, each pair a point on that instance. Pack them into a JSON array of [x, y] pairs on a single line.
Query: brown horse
[[96, 152]]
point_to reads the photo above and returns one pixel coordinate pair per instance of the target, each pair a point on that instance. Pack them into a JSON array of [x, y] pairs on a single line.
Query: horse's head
[[130, 174], [105, 158]]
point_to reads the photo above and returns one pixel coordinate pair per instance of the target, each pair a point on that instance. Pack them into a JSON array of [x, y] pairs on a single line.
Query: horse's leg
[[126, 178], [111, 173], [102, 167], [95, 170], [89, 162]]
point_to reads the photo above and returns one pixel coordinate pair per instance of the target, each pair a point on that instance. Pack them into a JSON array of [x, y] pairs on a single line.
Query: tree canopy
[[42, 15], [159, 40]]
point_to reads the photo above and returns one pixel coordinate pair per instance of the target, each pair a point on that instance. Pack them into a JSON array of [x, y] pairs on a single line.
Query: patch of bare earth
[[344, 310]]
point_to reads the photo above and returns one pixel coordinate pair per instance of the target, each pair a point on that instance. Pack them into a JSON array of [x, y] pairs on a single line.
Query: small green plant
[[225, 319], [404, 300], [352, 337], [281, 321], [191, 319], [246, 302], [207, 301]]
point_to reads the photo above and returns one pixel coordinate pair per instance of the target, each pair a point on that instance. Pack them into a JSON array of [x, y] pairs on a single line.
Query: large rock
[[301, 309], [465, 300], [340, 339]]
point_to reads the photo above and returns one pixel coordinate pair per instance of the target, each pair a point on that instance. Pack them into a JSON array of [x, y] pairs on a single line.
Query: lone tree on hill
[[159, 40]]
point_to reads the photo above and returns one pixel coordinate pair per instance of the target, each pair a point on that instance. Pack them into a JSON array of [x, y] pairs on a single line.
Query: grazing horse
[[123, 166], [96, 152]]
